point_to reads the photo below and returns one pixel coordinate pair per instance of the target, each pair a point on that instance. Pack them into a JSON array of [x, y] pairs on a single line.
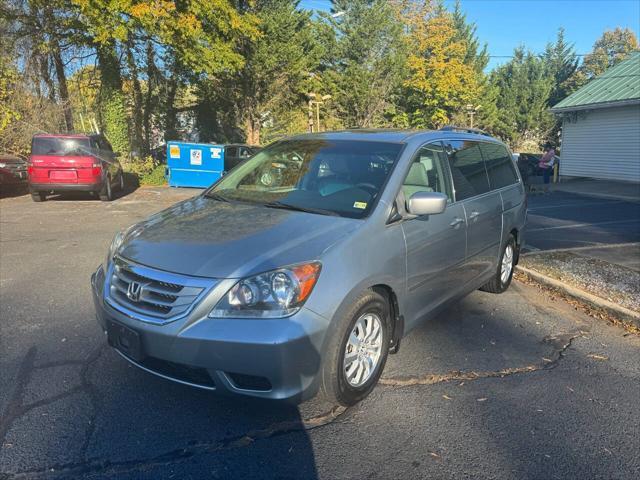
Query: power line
[[574, 54]]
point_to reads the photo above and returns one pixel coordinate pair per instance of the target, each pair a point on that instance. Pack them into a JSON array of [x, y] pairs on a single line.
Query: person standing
[[546, 164]]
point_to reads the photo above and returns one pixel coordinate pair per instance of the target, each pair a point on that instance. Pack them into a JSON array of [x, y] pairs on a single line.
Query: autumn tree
[[610, 49], [440, 81]]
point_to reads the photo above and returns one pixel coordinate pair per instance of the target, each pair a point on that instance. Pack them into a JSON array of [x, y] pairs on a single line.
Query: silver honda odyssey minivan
[[302, 269]]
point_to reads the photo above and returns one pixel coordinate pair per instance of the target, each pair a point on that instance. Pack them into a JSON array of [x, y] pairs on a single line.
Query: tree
[[8, 78], [277, 63], [610, 49], [524, 87], [475, 55], [440, 81], [365, 68], [561, 63]]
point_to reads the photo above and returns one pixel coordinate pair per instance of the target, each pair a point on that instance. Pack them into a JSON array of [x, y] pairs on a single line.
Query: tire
[[346, 387], [38, 196], [106, 194], [121, 182], [502, 279]]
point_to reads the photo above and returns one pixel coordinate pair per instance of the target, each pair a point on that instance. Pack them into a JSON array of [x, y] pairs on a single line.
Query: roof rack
[[454, 128]]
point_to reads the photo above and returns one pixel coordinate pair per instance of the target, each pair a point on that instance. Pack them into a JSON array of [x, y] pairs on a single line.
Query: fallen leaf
[[481, 399], [446, 397], [595, 356], [434, 454], [547, 360]]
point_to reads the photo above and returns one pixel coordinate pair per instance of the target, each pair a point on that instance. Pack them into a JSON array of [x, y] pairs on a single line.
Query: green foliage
[[147, 170], [8, 79], [276, 69], [115, 121], [609, 50], [366, 62], [231, 70], [561, 64], [524, 87]]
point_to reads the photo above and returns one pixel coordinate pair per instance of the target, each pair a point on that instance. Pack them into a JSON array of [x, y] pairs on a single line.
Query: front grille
[[155, 295]]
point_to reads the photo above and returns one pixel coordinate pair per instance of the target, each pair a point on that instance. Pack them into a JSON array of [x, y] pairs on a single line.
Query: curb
[[618, 311]]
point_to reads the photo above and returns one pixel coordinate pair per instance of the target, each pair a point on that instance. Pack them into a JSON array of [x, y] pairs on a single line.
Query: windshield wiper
[[216, 196], [286, 206]]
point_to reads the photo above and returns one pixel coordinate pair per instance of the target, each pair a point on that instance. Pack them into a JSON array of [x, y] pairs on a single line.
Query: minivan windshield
[[60, 146], [330, 177]]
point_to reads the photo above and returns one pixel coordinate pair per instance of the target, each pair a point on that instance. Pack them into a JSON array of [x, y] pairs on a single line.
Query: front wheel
[[358, 351], [502, 278]]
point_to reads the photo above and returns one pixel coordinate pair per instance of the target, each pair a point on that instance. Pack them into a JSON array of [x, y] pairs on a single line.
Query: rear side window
[[60, 146], [500, 168], [467, 168]]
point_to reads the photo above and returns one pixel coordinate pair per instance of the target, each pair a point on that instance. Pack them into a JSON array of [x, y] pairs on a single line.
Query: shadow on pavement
[[8, 191]]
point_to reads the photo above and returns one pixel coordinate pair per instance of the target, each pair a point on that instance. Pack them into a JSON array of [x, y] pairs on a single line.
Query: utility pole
[[471, 111], [317, 103]]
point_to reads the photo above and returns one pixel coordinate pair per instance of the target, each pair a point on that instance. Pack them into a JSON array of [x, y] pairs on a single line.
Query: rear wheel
[[38, 196], [106, 194], [502, 279], [358, 351]]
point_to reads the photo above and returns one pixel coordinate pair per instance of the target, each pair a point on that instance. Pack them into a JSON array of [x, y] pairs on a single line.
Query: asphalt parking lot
[[570, 220], [519, 385]]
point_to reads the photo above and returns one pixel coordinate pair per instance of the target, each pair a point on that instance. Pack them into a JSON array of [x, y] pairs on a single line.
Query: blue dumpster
[[194, 164]]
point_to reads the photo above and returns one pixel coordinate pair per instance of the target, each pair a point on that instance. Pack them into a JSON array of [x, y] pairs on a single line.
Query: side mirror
[[427, 203]]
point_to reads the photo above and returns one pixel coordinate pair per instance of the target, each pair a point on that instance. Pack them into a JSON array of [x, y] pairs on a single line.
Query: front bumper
[[266, 358]]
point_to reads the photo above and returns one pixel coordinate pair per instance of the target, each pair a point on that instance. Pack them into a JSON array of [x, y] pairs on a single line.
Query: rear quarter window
[[500, 167], [467, 168]]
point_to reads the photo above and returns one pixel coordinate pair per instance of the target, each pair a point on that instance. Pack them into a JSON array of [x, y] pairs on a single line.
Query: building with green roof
[[601, 125]]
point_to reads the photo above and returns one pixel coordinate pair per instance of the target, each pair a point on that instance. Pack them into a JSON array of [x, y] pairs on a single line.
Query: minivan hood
[[209, 238]]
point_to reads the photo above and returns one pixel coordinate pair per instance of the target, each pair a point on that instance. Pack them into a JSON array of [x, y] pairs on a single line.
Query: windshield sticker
[[360, 205], [216, 152], [174, 151]]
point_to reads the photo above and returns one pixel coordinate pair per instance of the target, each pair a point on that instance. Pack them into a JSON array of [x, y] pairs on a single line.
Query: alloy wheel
[[363, 350], [507, 264]]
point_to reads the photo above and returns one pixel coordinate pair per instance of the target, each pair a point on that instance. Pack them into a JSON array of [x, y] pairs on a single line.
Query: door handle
[[473, 215], [456, 221]]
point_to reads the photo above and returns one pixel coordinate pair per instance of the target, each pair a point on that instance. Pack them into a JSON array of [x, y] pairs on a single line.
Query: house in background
[[601, 126]]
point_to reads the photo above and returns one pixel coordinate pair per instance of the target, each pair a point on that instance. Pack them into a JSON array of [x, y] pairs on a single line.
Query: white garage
[[601, 126]]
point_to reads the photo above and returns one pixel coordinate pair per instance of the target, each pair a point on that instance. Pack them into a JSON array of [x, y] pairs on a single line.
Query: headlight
[[275, 294], [113, 248]]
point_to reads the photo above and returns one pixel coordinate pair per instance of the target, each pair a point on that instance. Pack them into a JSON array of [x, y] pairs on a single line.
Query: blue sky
[[505, 24]]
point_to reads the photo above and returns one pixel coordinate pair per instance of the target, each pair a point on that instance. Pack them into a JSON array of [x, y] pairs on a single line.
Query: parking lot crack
[[561, 341], [181, 454], [16, 408]]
